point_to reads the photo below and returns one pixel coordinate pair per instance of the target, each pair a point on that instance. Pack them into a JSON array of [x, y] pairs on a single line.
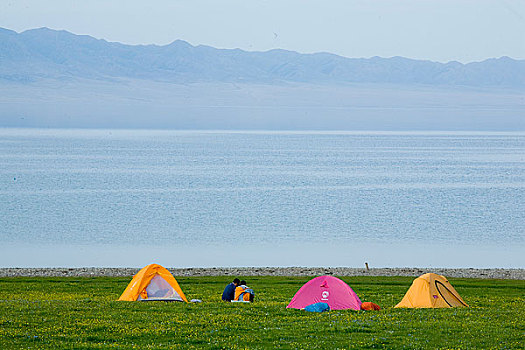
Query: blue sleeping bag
[[317, 307]]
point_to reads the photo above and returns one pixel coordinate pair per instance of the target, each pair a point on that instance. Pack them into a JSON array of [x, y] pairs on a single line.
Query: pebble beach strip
[[515, 274]]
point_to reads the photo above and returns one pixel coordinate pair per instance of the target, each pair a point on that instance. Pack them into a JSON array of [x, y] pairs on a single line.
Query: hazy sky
[[440, 30]]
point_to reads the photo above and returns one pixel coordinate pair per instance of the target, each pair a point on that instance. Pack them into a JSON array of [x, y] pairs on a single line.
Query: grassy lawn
[[82, 313]]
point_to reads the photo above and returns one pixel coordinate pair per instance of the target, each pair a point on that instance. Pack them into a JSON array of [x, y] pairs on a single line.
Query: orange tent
[[431, 291], [153, 282]]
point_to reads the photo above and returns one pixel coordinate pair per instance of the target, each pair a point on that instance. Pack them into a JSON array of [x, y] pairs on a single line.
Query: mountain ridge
[[45, 53]]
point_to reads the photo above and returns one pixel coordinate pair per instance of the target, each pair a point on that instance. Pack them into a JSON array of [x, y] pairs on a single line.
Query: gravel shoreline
[[495, 273]]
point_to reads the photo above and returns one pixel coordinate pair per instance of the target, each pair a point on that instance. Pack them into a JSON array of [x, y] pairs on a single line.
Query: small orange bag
[[369, 306]]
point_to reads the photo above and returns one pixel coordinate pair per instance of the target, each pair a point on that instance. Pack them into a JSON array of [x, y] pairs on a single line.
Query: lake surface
[[190, 198]]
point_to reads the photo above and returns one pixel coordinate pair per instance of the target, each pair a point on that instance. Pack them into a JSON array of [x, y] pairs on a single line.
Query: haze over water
[[193, 198]]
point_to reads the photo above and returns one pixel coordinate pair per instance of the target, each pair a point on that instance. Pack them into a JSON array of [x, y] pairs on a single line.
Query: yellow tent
[[431, 291], [153, 282]]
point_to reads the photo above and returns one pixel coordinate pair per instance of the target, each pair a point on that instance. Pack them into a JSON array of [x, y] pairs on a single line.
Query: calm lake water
[[128, 198]]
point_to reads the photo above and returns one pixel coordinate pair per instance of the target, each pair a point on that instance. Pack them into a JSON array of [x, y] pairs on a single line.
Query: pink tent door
[[326, 289]]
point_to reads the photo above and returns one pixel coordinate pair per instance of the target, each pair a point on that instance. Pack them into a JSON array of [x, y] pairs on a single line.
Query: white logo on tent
[[324, 295]]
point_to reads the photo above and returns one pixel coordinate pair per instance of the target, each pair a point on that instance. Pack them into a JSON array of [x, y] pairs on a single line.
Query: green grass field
[[82, 313]]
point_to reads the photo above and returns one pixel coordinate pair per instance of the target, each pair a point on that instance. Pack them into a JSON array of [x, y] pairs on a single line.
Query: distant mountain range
[[43, 53]]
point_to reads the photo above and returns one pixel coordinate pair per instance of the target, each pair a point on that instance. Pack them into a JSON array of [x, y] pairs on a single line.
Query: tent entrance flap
[[158, 288], [448, 296]]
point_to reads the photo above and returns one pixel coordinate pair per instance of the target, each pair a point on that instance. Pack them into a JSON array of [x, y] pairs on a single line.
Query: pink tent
[[326, 289]]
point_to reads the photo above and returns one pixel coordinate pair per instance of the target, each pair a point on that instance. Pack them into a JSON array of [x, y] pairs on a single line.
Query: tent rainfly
[[153, 282], [326, 289], [431, 291]]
